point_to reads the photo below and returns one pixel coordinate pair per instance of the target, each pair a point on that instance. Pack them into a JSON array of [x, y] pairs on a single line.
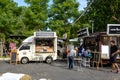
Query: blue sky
[[83, 3]]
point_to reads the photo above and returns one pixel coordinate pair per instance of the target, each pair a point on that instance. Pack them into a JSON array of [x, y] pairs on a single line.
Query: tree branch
[[117, 19]]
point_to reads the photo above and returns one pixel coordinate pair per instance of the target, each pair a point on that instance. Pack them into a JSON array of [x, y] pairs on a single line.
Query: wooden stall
[[100, 42]]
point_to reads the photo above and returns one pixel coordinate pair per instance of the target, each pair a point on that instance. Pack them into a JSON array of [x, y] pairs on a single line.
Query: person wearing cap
[[71, 56]]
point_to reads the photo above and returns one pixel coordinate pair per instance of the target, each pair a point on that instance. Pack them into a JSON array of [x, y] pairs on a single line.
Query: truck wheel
[[49, 60], [24, 60]]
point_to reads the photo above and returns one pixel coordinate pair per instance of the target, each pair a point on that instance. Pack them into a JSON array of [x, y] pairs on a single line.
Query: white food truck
[[40, 47]]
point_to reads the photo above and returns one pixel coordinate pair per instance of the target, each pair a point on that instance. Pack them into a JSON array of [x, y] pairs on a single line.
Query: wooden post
[[97, 59]]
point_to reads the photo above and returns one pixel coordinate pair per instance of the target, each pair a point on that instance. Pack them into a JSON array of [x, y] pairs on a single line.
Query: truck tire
[[24, 60], [49, 60]]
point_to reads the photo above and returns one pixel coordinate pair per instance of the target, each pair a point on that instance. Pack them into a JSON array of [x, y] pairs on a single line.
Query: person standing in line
[[113, 55], [81, 50], [71, 56]]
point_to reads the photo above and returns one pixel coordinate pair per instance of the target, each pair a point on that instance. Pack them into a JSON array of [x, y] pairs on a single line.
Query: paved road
[[58, 71]]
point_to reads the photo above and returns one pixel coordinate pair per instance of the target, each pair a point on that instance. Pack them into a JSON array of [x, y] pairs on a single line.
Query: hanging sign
[[113, 29], [83, 32]]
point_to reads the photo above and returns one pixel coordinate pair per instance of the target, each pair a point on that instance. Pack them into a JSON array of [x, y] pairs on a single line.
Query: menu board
[[13, 56], [105, 51]]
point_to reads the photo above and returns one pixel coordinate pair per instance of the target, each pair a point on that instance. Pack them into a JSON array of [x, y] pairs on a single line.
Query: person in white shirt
[[71, 56]]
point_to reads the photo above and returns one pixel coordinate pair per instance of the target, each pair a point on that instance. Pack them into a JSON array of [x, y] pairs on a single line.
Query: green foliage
[[23, 20], [103, 12], [61, 15], [38, 15], [2, 37], [7, 16]]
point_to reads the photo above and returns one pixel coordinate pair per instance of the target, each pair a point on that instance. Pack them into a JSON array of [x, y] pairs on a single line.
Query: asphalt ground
[[58, 70]]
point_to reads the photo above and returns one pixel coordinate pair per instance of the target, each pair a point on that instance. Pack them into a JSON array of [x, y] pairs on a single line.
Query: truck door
[[25, 52]]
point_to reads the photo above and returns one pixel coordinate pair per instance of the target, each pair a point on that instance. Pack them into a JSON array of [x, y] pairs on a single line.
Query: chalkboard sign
[[13, 58]]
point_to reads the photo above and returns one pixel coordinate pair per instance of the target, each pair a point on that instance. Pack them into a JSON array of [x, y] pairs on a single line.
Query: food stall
[[100, 41]]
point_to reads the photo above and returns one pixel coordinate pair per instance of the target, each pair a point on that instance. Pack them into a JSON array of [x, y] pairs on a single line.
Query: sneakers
[[112, 71], [118, 71]]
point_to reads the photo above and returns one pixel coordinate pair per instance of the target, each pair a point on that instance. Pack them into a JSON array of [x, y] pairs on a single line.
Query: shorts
[[113, 59]]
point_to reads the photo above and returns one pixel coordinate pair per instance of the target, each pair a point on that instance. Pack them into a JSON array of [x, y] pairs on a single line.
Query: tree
[[103, 12], [36, 14], [62, 14], [21, 27], [7, 18]]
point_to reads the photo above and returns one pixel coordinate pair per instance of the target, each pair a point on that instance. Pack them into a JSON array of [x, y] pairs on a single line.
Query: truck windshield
[[25, 47]]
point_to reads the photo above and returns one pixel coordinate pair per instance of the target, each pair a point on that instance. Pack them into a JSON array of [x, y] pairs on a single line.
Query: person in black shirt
[[113, 55]]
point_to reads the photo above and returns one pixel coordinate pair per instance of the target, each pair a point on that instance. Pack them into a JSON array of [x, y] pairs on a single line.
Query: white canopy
[[28, 40]]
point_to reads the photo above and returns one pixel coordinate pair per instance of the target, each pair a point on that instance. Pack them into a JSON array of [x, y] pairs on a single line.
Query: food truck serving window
[[44, 45], [44, 42]]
